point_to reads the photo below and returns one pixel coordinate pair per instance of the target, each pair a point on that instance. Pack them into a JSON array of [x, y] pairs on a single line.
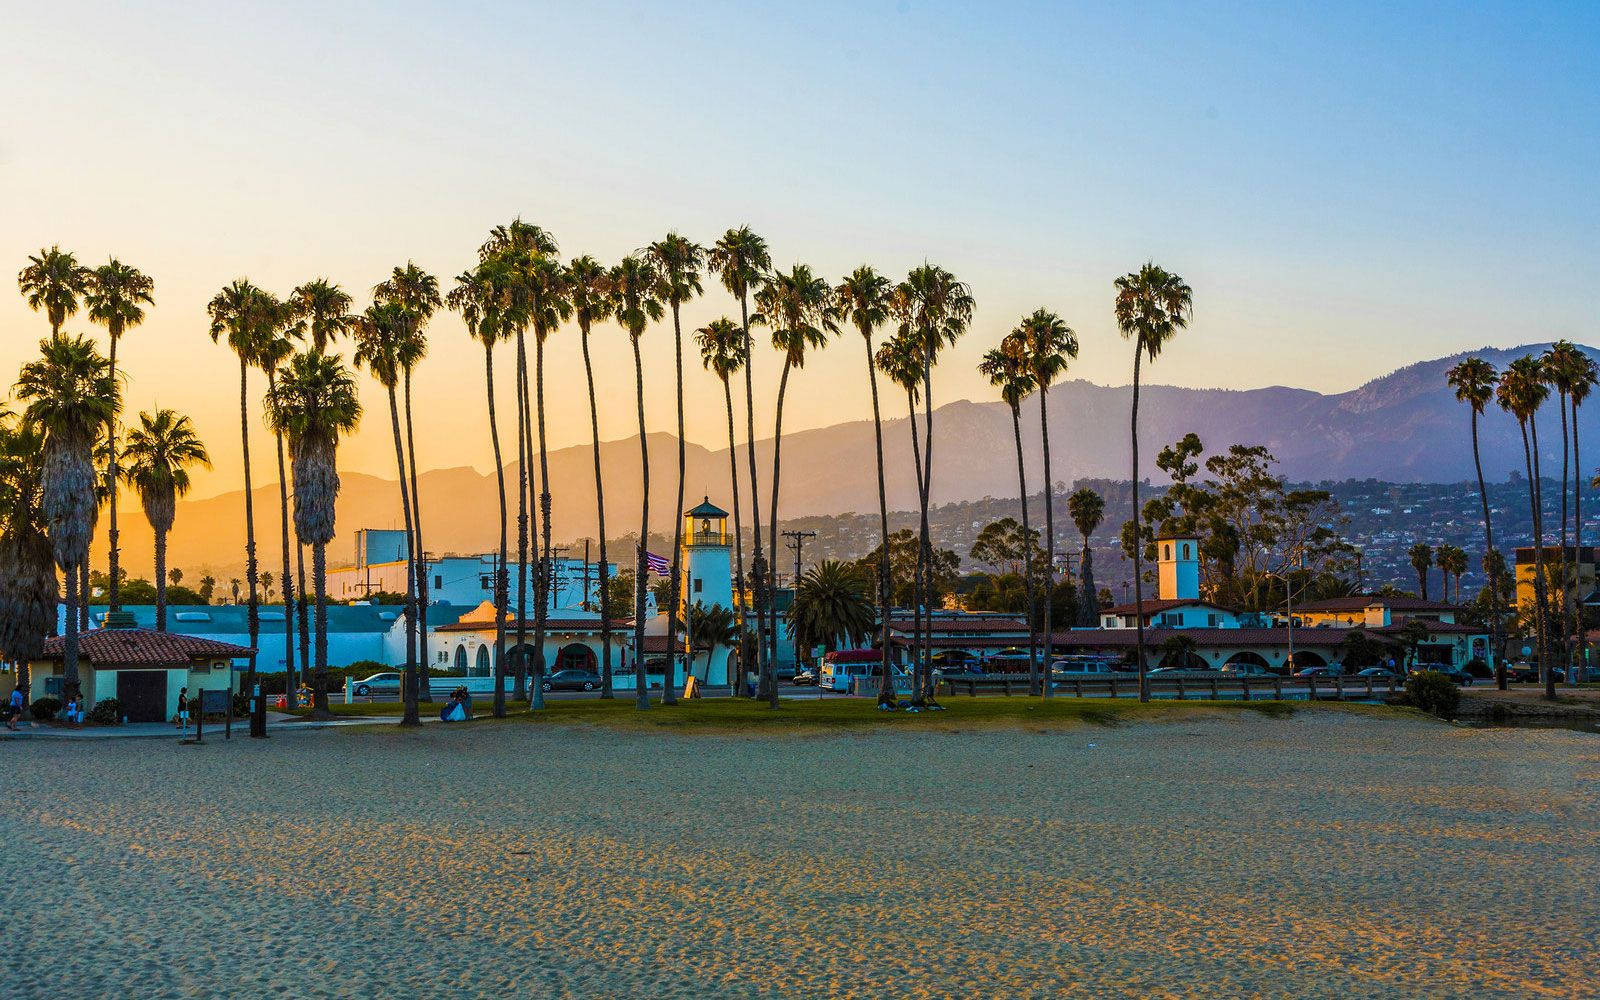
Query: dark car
[[1317, 672], [1381, 672], [572, 680]]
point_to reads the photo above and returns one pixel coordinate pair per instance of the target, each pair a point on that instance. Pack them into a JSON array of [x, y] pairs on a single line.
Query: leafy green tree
[[831, 605], [709, 628], [160, 452], [944, 566], [1087, 509], [28, 589]]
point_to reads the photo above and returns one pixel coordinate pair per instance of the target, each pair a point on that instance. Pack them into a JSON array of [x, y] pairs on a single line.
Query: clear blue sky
[[1347, 190]]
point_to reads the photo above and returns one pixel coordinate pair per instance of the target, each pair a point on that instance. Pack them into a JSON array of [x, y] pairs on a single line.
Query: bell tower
[[707, 549], [1178, 568]]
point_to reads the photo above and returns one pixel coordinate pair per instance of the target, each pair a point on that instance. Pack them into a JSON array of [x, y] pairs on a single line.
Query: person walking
[[14, 709], [183, 711]]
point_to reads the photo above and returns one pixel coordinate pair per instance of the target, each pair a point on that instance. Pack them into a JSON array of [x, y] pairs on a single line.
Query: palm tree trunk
[[319, 580], [738, 538], [542, 580], [419, 556], [521, 660], [69, 653], [112, 536], [1027, 553], [1138, 538], [253, 616], [303, 608], [1566, 584], [161, 581], [84, 589], [1049, 541], [408, 683], [885, 682], [1579, 634], [500, 568], [925, 541], [758, 576], [777, 447], [289, 686], [667, 695], [1494, 572], [606, 691], [916, 573], [1540, 591], [641, 564]]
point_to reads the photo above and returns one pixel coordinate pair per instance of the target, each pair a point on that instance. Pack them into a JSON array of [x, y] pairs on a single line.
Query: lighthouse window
[[697, 582]]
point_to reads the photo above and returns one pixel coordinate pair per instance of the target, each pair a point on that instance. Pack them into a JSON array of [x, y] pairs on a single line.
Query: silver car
[[386, 683]]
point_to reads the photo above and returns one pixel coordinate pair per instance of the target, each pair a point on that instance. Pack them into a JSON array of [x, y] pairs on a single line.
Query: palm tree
[[863, 299], [52, 283], [589, 288], [831, 603], [1006, 368], [1581, 381], [634, 286], [70, 395], [1421, 556], [1152, 305], [116, 295], [29, 595], [934, 311], [1452, 561], [900, 360], [1047, 344], [480, 297], [1562, 364], [378, 333], [314, 403], [796, 307], [160, 452], [742, 260], [1522, 390], [272, 354], [248, 318], [1474, 382], [267, 580], [677, 263], [708, 628], [417, 292], [1086, 508], [722, 353], [548, 306]]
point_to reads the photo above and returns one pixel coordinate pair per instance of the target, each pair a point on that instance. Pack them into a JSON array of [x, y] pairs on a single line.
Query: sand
[[1312, 856]]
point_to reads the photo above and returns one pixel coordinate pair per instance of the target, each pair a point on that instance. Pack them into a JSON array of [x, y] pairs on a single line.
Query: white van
[[840, 669]]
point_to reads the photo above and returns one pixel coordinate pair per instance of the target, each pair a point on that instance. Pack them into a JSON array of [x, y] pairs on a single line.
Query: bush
[[45, 709], [241, 704], [1478, 667], [106, 712], [1433, 692]]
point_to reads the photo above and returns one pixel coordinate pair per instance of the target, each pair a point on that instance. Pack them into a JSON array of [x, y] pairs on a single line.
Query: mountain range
[[1403, 427]]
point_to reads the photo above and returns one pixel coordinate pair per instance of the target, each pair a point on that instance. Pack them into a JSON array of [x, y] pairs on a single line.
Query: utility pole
[[797, 543]]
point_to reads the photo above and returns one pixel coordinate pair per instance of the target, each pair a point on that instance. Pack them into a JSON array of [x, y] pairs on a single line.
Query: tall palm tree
[[29, 595], [1007, 369], [271, 356], [480, 297], [548, 306], [593, 301], [378, 333], [70, 395], [1452, 561], [797, 308], [315, 402], [634, 287], [1087, 509], [1421, 556], [160, 452], [1522, 390], [1048, 344], [831, 605], [677, 263], [742, 261], [248, 318], [722, 353], [52, 283], [1562, 364], [863, 300], [417, 292], [116, 295], [1474, 380], [900, 360], [935, 311], [1581, 382], [1152, 305]]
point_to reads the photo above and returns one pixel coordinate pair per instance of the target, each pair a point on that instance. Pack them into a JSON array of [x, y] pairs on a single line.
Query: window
[[697, 582], [438, 582], [1215, 620], [1186, 550], [1166, 551], [485, 581]]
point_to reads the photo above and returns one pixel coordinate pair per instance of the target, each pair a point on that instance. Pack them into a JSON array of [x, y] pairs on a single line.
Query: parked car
[[1456, 674], [1185, 672], [804, 677], [1522, 673], [572, 680], [1383, 673], [385, 683], [1082, 668], [1245, 670], [1310, 672]]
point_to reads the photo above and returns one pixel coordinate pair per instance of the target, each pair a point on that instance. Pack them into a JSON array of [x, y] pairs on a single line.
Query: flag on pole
[[656, 564]]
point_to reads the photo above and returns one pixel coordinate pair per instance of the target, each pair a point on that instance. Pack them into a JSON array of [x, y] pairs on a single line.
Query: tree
[[1006, 546], [1358, 649], [1474, 380], [831, 604], [900, 360], [1521, 392], [863, 300], [29, 594], [378, 333], [1421, 557], [943, 566], [1581, 381], [708, 628], [208, 588], [722, 354], [676, 263], [160, 452], [742, 261], [1087, 509], [1152, 305], [52, 283], [1452, 561], [70, 396], [1048, 345], [115, 295], [288, 328], [1179, 651], [548, 305], [314, 403], [480, 297], [637, 306], [593, 302], [797, 307], [248, 319]]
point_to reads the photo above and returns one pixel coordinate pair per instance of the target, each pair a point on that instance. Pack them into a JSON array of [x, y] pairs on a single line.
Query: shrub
[[241, 704], [1433, 692], [45, 709], [1478, 667], [106, 712]]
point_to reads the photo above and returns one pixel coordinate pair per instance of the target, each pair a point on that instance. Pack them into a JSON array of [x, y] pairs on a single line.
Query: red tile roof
[[1154, 605], [551, 625], [126, 647]]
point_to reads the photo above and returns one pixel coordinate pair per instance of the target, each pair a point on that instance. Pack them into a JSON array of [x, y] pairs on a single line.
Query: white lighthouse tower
[[707, 548]]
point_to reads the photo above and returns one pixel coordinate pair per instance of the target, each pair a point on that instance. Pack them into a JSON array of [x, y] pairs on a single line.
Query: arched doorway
[[461, 660], [577, 656], [483, 669], [1306, 658], [1245, 656]]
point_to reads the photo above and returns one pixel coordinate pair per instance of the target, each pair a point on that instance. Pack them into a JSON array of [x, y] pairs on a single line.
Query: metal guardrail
[[1335, 688]]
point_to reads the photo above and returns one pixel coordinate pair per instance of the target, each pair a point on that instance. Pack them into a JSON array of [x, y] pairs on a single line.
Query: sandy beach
[[1320, 855]]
